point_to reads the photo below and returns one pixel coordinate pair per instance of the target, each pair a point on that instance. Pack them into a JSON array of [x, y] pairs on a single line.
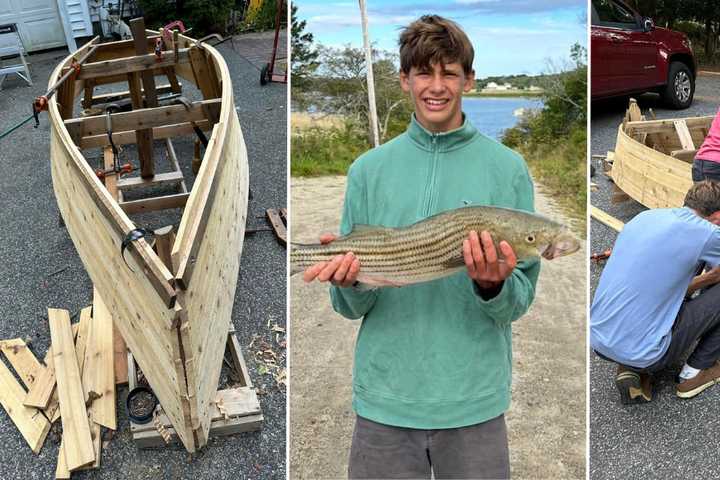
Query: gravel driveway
[[669, 437]]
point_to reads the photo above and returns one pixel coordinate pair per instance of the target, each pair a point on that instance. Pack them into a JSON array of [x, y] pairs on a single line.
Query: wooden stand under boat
[[652, 161], [173, 308]]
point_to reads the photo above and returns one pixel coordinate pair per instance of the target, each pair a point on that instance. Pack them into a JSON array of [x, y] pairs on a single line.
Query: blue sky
[[509, 36]]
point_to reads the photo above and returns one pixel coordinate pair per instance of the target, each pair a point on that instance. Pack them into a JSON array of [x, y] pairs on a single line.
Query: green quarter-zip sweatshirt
[[436, 354]]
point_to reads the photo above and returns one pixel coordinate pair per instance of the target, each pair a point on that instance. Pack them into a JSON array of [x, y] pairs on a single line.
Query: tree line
[[699, 19]]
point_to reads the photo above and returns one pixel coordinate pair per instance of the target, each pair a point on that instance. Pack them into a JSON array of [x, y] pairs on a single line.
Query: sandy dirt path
[[546, 421]]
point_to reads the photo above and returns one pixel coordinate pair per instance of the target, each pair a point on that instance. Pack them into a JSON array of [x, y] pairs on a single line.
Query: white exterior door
[[39, 23]]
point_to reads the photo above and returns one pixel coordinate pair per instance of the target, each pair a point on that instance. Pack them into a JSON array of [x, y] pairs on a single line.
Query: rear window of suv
[[607, 13]]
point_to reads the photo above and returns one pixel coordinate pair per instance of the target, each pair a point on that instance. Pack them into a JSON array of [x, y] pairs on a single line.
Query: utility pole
[[370, 79]]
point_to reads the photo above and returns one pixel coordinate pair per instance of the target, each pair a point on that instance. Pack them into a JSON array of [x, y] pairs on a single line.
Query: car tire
[[680, 88]]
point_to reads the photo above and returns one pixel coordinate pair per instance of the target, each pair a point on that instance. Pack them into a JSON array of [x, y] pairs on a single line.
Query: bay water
[[493, 115]]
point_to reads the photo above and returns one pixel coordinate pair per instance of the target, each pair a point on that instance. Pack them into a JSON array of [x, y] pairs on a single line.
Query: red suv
[[630, 55]]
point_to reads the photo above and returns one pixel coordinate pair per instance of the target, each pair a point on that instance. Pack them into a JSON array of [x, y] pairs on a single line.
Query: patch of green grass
[[325, 151], [562, 170]]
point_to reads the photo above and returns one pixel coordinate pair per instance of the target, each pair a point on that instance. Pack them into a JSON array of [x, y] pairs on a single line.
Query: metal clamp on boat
[[117, 168], [134, 234]]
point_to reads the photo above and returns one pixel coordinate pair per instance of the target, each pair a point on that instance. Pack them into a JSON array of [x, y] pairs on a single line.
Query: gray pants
[[698, 319], [383, 451]]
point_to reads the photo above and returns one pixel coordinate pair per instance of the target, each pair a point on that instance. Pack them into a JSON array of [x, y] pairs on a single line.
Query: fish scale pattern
[[431, 248]]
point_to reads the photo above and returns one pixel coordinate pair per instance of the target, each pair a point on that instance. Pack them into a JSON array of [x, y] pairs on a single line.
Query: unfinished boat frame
[[173, 308], [652, 161]]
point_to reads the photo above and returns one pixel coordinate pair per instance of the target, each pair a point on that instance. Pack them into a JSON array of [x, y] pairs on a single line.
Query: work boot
[[704, 379], [634, 387]]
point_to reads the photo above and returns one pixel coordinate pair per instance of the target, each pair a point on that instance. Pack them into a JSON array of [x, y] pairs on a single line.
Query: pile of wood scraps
[[76, 385]]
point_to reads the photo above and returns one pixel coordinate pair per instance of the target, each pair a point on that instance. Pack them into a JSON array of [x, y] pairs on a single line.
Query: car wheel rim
[[682, 86]]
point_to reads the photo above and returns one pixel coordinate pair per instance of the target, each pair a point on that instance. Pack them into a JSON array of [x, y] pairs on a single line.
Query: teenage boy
[[431, 380], [643, 316]]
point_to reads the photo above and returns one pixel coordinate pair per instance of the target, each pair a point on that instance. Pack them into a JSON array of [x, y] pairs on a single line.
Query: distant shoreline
[[516, 93]]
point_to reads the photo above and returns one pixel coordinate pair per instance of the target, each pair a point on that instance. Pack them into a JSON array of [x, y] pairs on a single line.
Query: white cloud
[[515, 31], [352, 18]]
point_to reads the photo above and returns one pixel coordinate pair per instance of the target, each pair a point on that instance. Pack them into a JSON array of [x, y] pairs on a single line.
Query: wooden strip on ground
[[32, 424], [61, 470], [606, 218], [82, 336], [53, 409], [22, 360], [277, 225], [79, 450], [42, 390], [98, 374], [29, 368]]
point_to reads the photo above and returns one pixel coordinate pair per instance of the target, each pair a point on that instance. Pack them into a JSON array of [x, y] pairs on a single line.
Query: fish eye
[[530, 238]]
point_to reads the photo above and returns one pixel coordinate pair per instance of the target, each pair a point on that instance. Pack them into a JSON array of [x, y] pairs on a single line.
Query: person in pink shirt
[[706, 165]]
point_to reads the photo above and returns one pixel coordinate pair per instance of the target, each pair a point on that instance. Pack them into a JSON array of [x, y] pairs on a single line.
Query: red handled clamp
[[598, 257]]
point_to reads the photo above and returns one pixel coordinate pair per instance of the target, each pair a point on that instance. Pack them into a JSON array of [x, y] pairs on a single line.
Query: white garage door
[[39, 23]]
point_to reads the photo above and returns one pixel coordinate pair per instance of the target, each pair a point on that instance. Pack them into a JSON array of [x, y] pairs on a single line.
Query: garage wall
[[39, 22]]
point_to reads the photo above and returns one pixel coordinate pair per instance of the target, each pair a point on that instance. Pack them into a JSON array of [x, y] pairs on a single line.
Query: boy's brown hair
[[704, 197], [432, 39]]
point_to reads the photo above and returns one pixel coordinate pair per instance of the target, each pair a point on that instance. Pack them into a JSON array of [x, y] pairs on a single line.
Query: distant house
[[534, 88], [494, 87]]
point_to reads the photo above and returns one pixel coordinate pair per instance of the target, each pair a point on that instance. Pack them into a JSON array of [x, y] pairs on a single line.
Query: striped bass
[[432, 248]]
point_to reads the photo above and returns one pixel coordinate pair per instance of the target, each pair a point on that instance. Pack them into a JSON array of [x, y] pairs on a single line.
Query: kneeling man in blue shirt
[[643, 316]]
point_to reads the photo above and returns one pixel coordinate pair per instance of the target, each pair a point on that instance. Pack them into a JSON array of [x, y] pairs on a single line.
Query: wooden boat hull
[[174, 318], [651, 163]]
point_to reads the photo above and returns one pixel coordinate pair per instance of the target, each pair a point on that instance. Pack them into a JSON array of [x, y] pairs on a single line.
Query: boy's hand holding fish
[[341, 271], [483, 263], [481, 260]]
